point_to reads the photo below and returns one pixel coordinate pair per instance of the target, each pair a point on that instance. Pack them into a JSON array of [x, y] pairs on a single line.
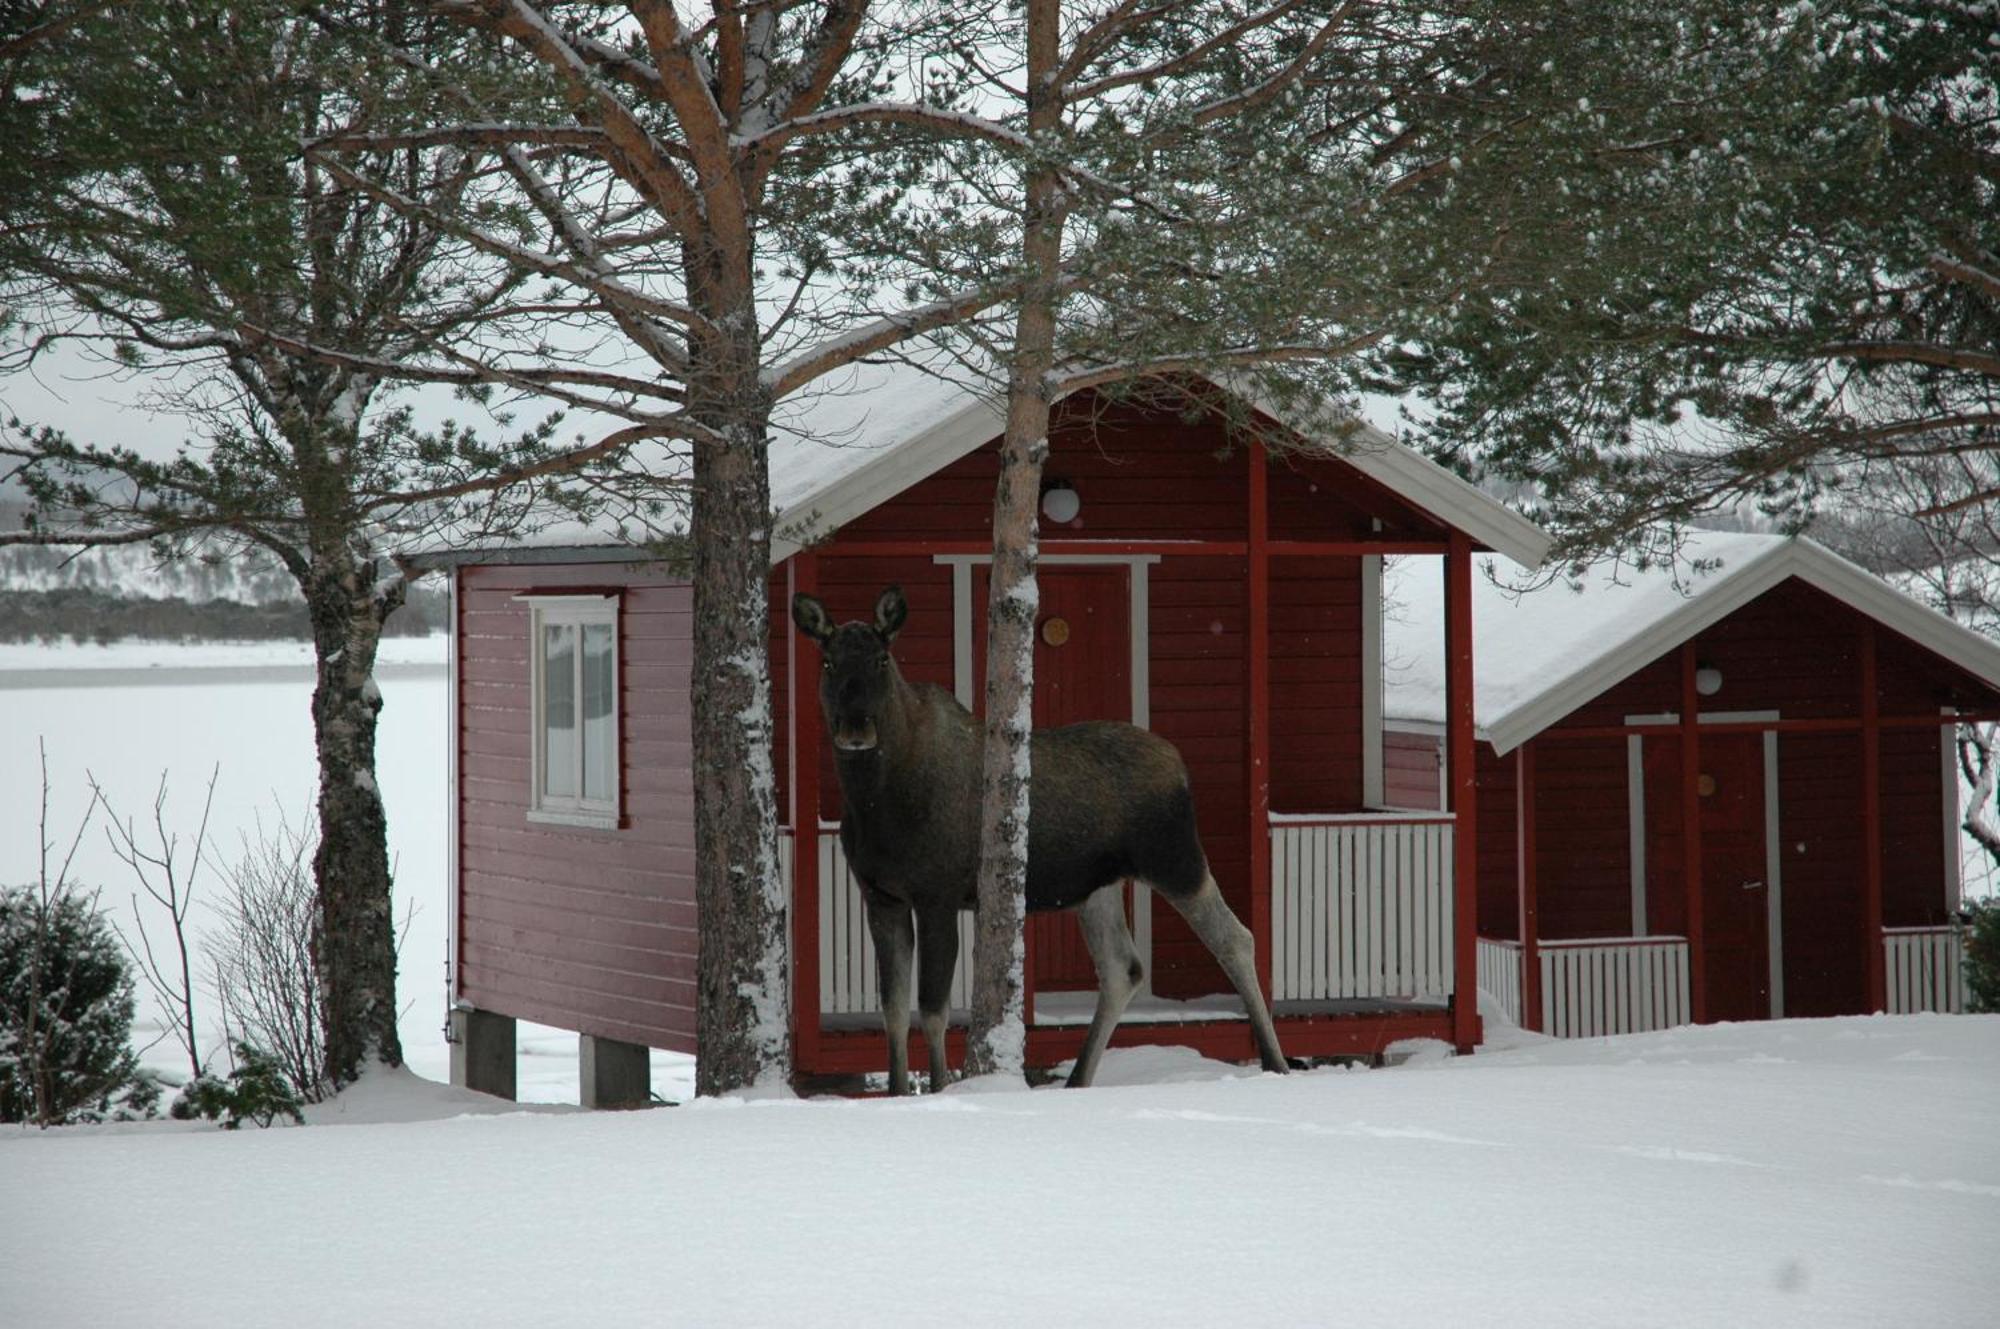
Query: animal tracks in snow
[[1668, 1154], [1356, 1128]]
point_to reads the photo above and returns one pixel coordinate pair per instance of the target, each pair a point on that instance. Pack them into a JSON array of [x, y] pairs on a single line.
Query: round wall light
[[1708, 680], [1060, 502]]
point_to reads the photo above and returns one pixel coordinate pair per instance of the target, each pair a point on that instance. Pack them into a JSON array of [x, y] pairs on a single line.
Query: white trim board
[[1371, 681]]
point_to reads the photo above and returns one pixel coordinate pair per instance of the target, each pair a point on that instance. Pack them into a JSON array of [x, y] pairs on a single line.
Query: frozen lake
[[132, 712]]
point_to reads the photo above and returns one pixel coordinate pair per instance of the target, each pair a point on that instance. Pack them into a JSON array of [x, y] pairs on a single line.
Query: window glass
[[600, 756], [559, 746]]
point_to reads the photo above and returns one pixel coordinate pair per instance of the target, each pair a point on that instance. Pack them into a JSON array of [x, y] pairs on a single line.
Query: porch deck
[[1358, 939]]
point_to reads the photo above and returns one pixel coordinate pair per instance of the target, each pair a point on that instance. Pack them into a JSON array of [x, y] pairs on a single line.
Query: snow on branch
[[466, 136], [562, 463], [951, 124], [608, 289], [892, 330], [1240, 357]]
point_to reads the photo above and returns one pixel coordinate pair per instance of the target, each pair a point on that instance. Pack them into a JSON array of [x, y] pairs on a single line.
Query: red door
[[1734, 896], [1083, 671]]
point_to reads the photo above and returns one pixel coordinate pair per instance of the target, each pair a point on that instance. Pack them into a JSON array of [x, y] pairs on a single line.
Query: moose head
[[858, 679]]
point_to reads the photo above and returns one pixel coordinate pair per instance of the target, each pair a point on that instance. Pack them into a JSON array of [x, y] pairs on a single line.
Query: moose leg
[[1116, 957], [937, 957], [1231, 943], [895, 938]]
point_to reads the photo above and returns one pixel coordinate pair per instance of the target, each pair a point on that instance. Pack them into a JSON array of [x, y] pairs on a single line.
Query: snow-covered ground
[[1841, 1172], [1832, 1172]]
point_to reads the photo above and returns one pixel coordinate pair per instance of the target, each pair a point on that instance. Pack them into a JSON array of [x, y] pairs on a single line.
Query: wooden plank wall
[[1412, 765], [1793, 650], [592, 930]]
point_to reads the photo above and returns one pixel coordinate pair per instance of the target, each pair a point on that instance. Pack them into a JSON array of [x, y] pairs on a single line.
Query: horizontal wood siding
[[592, 930], [1323, 498], [1583, 866], [1140, 476], [1315, 628], [1794, 650], [1913, 846], [1197, 670], [1499, 846], [1412, 765]]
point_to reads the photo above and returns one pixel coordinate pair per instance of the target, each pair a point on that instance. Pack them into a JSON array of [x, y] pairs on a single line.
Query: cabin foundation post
[[1459, 745], [613, 1074], [482, 1052], [1874, 965], [1697, 932], [1530, 922]]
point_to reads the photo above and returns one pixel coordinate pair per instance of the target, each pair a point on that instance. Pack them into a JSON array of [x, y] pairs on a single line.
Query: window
[[573, 654]]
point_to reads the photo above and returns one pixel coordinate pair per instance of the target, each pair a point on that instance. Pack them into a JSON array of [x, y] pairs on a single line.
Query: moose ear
[[890, 613], [812, 618]]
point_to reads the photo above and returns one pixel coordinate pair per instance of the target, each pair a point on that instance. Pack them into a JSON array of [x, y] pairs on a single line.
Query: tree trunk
[[354, 950], [743, 1028], [997, 1041]]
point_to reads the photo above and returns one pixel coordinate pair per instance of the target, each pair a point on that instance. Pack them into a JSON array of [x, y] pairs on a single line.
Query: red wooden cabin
[[1727, 796], [1221, 592]]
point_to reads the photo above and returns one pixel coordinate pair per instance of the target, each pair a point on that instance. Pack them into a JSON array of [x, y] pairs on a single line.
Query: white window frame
[[579, 611]]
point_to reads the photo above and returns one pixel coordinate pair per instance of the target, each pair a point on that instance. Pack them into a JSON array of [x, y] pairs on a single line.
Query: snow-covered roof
[[874, 430], [1539, 654]]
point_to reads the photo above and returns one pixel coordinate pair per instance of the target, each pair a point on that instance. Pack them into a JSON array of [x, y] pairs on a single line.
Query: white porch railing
[[847, 981], [1926, 969], [1361, 907], [1499, 964], [1624, 985]]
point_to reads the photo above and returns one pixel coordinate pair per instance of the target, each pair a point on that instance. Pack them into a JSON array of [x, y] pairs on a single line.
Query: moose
[[1108, 802]]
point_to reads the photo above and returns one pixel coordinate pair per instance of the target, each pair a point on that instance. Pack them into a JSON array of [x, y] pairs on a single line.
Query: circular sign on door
[[1055, 631]]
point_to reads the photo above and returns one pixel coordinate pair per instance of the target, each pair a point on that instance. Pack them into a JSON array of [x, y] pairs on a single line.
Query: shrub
[[1982, 955], [65, 1011], [262, 955], [257, 1090]]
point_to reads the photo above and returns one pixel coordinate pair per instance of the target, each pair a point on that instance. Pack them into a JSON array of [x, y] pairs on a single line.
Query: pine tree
[[174, 223]]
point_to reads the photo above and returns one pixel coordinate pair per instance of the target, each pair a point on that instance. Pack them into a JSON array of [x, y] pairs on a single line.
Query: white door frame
[[1137, 597], [1774, 888]]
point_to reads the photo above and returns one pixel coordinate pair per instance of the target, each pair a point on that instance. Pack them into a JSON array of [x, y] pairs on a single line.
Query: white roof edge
[[1382, 459], [889, 472], [1448, 497], [1811, 563]]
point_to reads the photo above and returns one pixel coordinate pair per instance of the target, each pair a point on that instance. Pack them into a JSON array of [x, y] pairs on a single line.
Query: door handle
[[1753, 885]]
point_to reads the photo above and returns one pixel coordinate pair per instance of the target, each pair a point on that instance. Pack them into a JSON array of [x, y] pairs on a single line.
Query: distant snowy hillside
[[131, 572]]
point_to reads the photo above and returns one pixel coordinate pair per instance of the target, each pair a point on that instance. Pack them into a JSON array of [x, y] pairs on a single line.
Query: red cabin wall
[[1796, 651], [1412, 765], [1145, 475], [592, 930]]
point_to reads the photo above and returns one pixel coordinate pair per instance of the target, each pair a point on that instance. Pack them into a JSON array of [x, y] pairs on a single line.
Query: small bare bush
[[261, 954]]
